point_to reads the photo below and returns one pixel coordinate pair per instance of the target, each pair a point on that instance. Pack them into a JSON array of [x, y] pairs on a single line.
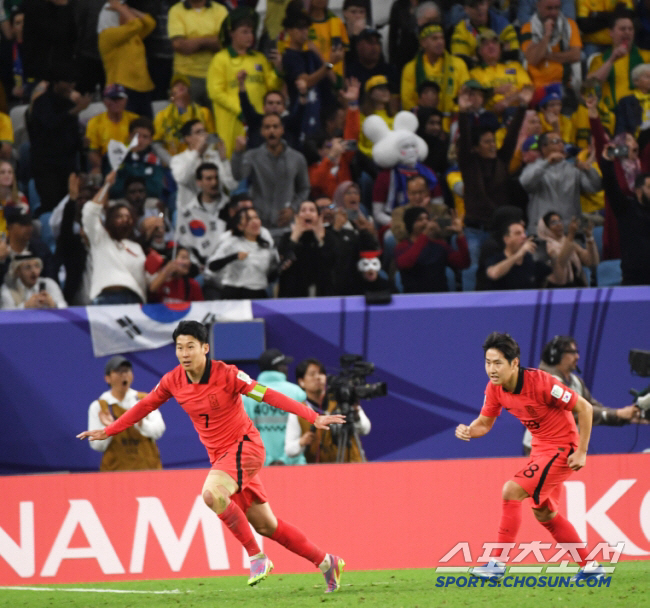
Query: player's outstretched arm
[[584, 409], [477, 428], [323, 422], [97, 435]]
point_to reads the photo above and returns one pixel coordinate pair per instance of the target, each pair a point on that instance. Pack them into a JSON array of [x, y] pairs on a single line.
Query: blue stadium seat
[[451, 278], [609, 273], [469, 278], [398, 282], [46, 231], [598, 236]]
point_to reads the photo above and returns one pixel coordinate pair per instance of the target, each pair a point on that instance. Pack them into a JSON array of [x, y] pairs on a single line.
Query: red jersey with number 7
[[213, 404], [542, 404]]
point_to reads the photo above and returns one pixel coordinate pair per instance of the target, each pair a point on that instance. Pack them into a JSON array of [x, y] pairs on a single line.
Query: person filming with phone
[[24, 287]]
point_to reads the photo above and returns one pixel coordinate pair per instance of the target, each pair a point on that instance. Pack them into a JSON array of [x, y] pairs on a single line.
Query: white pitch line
[[82, 590]]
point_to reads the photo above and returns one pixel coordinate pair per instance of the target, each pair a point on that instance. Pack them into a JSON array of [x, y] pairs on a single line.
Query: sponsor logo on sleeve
[[557, 391], [244, 377]]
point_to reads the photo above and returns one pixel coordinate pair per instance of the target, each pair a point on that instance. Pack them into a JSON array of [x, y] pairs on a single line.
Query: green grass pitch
[[629, 588]]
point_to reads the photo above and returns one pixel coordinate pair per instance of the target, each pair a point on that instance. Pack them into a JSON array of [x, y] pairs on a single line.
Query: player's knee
[[265, 528], [513, 491], [208, 499], [544, 514], [216, 499]]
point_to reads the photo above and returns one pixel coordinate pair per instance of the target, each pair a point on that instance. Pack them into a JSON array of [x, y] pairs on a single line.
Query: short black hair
[[301, 368], [622, 12], [191, 328], [295, 16], [479, 132], [547, 218], [186, 129], [411, 215], [504, 343], [274, 92], [428, 84], [206, 167], [134, 179], [272, 114], [142, 122], [556, 348]]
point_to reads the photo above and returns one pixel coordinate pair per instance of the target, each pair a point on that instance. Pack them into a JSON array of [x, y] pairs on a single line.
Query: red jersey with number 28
[[214, 404], [542, 404]]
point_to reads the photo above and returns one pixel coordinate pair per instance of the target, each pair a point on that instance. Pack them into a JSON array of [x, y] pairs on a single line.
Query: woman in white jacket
[[247, 260]]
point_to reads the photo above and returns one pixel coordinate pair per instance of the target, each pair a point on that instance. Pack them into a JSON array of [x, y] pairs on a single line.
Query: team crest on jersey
[[244, 377], [531, 410], [214, 402], [557, 391], [258, 67]]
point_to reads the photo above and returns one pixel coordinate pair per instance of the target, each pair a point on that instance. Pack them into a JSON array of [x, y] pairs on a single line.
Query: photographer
[[560, 359], [630, 207], [319, 445]]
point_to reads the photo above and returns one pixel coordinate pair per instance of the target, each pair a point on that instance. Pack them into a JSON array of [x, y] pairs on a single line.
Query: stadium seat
[[157, 106], [397, 279], [46, 232], [609, 273], [92, 110], [469, 278], [598, 237]]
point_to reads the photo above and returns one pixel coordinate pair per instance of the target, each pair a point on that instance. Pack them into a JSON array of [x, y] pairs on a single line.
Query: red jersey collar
[[205, 378]]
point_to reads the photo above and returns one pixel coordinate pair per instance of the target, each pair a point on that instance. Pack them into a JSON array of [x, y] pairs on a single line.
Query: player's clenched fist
[[463, 432]]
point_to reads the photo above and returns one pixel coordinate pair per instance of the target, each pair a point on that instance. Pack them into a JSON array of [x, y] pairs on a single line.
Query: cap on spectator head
[[114, 363], [115, 91], [475, 85], [530, 143], [487, 34], [376, 81], [17, 214], [271, 358], [428, 29], [552, 96], [369, 32], [176, 78]]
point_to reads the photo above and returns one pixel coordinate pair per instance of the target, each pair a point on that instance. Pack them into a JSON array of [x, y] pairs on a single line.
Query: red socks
[[235, 519], [563, 532], [293, 539], [510, 521]]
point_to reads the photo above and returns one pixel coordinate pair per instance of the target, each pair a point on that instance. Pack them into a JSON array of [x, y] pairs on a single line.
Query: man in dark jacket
[[484, 168]]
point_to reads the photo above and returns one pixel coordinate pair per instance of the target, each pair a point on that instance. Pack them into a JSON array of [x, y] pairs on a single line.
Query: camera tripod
[[347, 435]]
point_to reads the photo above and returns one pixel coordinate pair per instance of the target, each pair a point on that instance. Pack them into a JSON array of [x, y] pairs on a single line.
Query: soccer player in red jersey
[[544, 406], [210, 392]]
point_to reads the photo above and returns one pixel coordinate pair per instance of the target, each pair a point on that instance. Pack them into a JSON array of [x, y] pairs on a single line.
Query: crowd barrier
[[427, 348], [154, 525]]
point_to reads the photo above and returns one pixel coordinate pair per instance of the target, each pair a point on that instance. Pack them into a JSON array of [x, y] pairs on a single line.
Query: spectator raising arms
[[122, 31], [118, 275]]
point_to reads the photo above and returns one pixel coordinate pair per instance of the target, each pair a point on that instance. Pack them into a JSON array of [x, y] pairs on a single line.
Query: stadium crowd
[[160, 151]]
